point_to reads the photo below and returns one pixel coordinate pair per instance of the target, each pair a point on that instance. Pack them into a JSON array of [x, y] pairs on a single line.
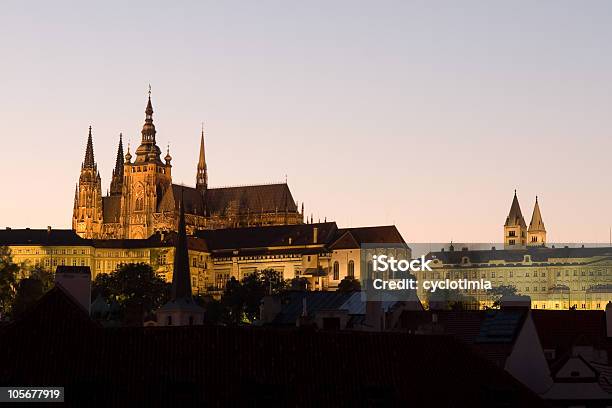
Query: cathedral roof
[[258, 198], [536, 223], [266, 198], [29, 236], [515, 217]]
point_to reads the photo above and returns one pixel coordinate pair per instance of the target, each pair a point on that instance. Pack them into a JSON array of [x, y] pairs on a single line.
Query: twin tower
[[516, 233]]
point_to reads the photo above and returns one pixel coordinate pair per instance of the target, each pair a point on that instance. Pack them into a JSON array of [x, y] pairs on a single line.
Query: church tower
[[202, 173], [87, 212], [117, 180], [181, 309], [145, 181], [515, 229], [536, 235]]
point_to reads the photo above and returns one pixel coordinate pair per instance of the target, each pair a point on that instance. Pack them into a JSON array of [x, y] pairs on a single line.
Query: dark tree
[[501, 291], [8, 281], [29, 290], [243, 298], [298, 284], [133, 286], [349, 284]]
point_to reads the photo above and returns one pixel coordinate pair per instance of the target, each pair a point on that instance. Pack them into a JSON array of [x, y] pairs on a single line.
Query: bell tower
[[515, 229], [536, 235], [87, 211], [145, 181]]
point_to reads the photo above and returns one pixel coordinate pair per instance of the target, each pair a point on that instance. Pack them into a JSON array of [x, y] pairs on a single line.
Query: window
[[336, 270], [169, 320], [511, 274], [511, 242], [512, 234], [351, 268], [139, 206], [194, 262]]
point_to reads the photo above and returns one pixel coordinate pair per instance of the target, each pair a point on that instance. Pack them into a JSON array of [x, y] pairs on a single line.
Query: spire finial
[[149, 91], [515, 191]]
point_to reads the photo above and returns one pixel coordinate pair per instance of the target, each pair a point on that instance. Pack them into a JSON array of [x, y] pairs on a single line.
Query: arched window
[[351, 268], [139, 204], [336, 270]]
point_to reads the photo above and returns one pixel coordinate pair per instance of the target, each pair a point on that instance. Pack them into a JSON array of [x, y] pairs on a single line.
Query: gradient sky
[[423, 114]]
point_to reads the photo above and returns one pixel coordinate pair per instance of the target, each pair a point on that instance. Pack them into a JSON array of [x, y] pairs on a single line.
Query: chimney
[[609, 319], [48, 229], [515, 302], [374, 316], [315, 234], [76, 280]]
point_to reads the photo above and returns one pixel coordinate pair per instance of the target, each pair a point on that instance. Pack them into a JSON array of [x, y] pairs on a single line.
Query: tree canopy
[[132, 285]]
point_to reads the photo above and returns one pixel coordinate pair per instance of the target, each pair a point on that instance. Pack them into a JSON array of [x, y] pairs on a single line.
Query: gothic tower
[[202, 173], [145, 181], [181, 309], [515, 229], [87, 212], [536, 235], [117, 180]]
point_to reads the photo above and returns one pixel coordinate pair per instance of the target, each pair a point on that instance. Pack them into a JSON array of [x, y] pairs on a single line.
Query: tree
[[243, 298], [8, 281], [298, 284], [133, 285], [450, 298], [349, 284], [501, 291], [46, 278], [29, 290]]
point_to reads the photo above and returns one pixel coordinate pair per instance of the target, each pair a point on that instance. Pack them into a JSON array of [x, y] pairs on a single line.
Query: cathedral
[[143, 200]]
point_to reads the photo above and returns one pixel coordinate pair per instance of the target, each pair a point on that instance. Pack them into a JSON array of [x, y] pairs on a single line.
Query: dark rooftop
[[56, 344]]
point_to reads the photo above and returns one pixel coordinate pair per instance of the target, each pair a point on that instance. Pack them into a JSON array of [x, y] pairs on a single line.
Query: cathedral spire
[[181, 279], [117, 180], [89, 154], [148, 151], [202, 173]]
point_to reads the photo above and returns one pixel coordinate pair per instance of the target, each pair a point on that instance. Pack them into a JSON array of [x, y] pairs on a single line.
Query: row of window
[[350, 270]]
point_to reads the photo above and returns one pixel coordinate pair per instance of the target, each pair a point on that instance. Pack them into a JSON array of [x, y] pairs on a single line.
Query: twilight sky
[[423, 114]]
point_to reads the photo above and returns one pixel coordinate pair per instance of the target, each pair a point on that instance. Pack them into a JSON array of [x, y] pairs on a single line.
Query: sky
[[422, 114]]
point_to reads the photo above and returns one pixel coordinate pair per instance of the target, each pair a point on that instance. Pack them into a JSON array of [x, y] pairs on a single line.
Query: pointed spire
[[181, 278], [202, 172], [536, 224], [117, 179], [515, 217], [119, 161], [89, 154]]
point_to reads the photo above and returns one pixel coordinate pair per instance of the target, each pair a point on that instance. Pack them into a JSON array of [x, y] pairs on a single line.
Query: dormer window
[[527, 258]]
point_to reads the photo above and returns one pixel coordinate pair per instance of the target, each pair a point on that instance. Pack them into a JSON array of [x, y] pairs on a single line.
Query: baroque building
[[143, 200]]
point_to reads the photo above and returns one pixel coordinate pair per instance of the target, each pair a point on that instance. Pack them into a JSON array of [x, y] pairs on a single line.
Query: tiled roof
[[29, 236], [538, 254], [355, 237], [217, 366], [561, 329], [268, 236]]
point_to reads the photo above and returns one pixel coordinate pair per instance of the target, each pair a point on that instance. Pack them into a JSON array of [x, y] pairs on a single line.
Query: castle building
[[142, 198], [516, 233]]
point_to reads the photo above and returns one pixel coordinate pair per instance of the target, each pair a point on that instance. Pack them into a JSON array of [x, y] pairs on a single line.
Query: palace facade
[[554, 277], [143, 200], [321, 253]]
